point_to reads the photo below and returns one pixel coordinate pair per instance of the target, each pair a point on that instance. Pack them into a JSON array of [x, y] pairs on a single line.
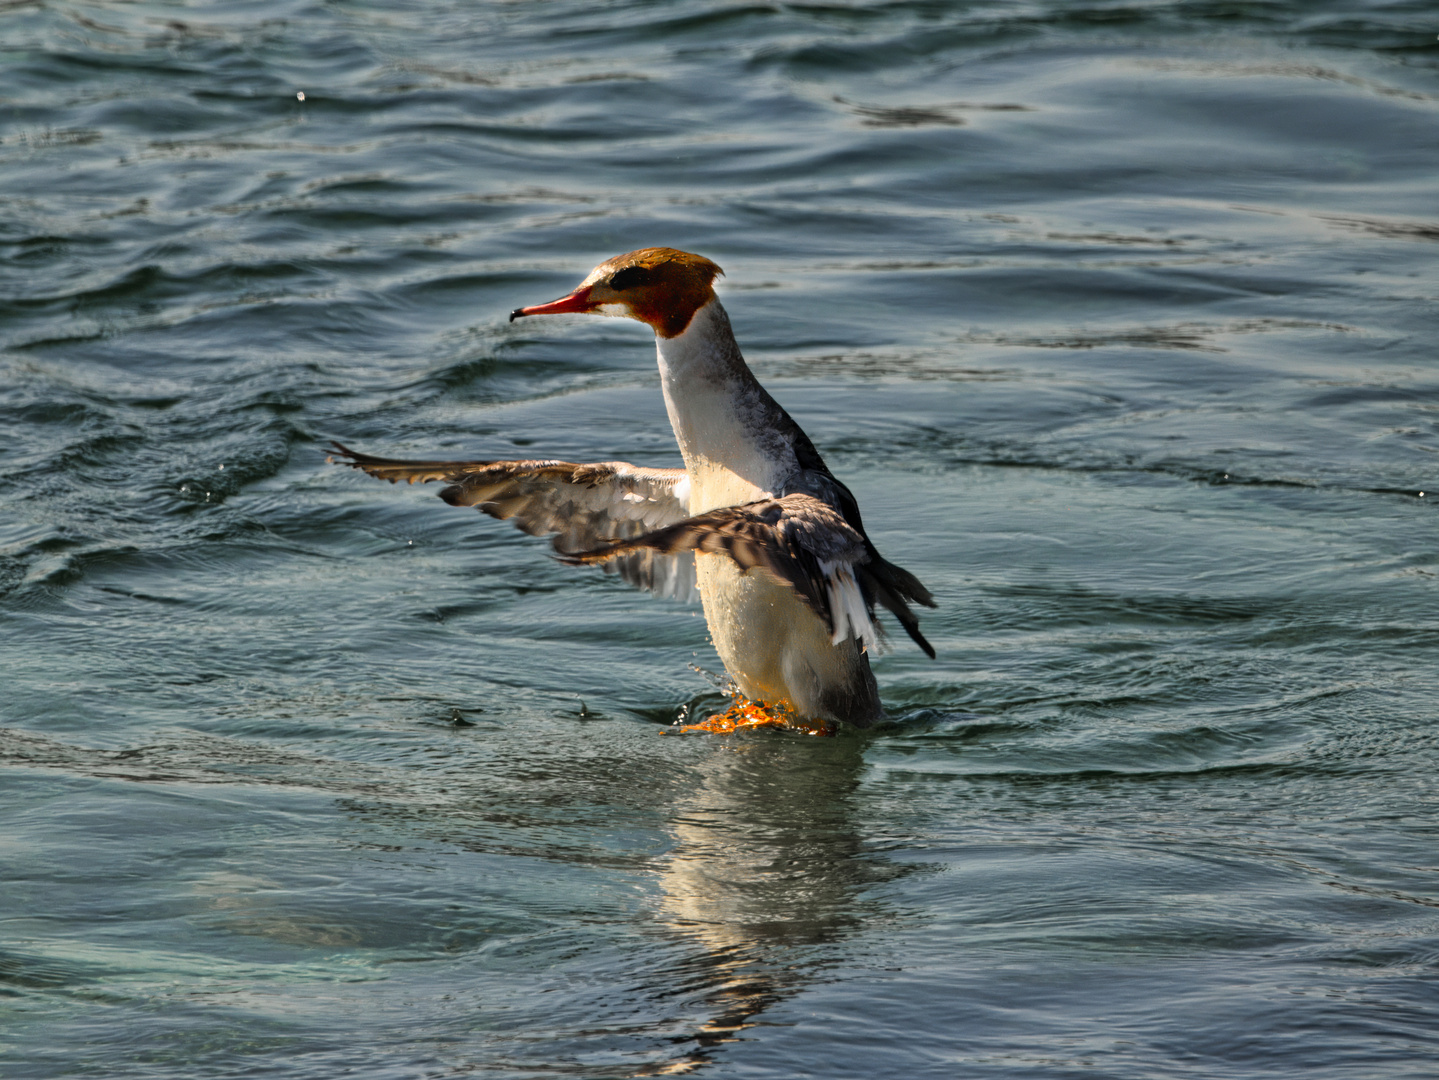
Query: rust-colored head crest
[[659, 286]]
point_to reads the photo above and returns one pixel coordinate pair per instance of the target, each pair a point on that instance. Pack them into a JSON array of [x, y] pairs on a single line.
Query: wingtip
[[607, 550], [911, 627], [578, 558]]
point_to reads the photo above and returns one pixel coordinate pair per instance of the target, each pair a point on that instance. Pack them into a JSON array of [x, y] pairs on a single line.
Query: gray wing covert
[[797, 540], [582, 506], [805, 543]]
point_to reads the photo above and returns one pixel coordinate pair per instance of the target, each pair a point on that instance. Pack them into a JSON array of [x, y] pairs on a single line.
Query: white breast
[[705, 396]]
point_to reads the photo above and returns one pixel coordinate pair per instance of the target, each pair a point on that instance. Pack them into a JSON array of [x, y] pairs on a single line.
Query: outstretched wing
[[581, 506], [800, 541]]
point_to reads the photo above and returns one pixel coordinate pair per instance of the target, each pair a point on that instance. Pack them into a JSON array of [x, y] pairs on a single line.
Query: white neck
[[725, 423]]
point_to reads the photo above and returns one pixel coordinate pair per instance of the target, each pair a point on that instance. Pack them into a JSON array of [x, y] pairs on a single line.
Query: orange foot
[[745, 714]]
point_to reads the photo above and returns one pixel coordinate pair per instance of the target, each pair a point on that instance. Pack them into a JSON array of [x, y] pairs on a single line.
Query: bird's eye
[[629, 277]]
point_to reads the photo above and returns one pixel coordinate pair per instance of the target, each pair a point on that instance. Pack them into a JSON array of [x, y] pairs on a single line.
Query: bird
[[755, 523]]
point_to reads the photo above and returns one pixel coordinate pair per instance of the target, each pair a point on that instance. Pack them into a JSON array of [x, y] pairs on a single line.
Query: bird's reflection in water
[[766, 872]]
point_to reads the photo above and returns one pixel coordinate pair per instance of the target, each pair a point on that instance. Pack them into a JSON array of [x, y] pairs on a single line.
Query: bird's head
[[658, 286]]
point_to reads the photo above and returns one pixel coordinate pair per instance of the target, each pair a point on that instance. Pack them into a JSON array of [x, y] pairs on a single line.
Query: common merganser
[[754, 495]]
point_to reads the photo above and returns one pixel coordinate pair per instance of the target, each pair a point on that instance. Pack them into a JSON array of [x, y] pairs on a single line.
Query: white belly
[[777, 650]]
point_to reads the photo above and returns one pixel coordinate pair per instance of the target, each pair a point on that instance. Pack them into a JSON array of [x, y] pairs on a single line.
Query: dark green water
[[1119, 319]]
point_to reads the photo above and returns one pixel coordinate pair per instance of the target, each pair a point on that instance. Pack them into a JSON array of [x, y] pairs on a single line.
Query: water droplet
[[300, 96]]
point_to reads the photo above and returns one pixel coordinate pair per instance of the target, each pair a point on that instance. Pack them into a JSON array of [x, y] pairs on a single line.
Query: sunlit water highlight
[[1119, 321]]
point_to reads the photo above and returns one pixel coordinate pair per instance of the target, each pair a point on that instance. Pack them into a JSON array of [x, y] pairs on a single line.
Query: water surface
[[1118, 319]]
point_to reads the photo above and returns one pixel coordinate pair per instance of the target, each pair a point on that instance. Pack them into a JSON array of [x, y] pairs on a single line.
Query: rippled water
[[1118, 318]]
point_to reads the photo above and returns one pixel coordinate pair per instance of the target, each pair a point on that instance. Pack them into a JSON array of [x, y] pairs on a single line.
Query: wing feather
[[800, 541], [579, 505]]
